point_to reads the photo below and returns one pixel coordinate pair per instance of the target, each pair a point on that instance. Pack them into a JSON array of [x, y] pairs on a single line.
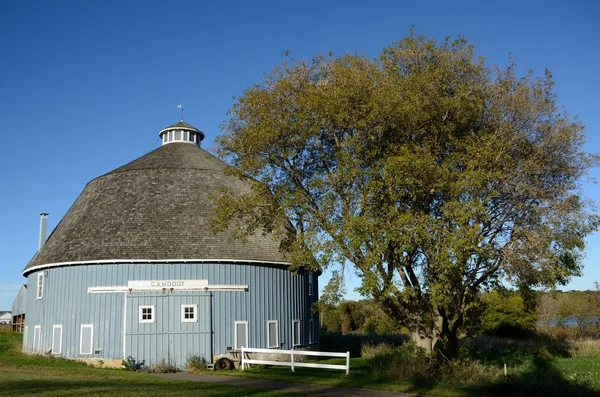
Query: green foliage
[[501, 312], [433, 174], [405, 362], [362, 317], [354, 343], [130, 364], [196, 363], [583, 307]]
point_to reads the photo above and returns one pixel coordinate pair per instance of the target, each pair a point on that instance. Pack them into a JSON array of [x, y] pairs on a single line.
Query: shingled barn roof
[[156, 207]]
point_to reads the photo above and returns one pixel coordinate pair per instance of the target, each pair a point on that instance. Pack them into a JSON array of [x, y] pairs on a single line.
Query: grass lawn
[[23, 375], [528, 375]]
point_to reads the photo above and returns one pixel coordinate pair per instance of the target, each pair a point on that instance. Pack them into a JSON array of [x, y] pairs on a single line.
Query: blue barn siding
[[274, 294]]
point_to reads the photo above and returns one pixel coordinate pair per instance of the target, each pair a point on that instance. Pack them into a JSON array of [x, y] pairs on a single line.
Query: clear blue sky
[[86, 85]]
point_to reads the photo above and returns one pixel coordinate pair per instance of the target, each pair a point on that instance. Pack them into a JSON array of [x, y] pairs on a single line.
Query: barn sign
[[170, 284]]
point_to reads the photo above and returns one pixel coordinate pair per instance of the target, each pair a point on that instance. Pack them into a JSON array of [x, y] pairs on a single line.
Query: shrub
[[196, 364], [334, 342], [411, 362], [405, 362], [164, 367], [378, 356], [130, 364]]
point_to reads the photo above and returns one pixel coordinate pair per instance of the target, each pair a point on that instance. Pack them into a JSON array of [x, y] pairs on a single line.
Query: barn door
[[169, 327]]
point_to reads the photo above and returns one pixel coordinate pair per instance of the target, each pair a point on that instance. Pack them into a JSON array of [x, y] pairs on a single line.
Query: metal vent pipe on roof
[[43, 227]]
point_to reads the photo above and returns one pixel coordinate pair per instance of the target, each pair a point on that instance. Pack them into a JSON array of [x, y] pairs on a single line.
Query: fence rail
[[293, 354]]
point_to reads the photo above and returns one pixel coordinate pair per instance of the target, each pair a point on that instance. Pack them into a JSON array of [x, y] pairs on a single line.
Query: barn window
[[146, 314], [311, 286], [272, 334], [311, 331], [296, 341], [40, 286], [188, 313], [86, 337], [56, 339], [241, 334]]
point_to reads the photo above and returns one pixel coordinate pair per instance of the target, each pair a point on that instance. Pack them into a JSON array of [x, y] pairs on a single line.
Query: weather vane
[[180, 106]]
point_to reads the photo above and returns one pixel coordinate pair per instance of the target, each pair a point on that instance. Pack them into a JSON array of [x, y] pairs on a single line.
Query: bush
[[405, 362], [378, 356], [164, 367], [130, 364], [411, 362], [335, 342], [196, 364]]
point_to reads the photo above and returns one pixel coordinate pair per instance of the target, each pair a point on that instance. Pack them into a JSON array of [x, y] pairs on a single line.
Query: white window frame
[[296, 325], [311, 331], [91, 326], [37, 346], [269, 322], [25, 338], [147, 321], [194, 319], [39, 292], [54, 328], [235, 340]]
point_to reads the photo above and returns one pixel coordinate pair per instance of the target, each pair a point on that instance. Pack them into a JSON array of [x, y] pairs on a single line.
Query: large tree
[[431, 173]]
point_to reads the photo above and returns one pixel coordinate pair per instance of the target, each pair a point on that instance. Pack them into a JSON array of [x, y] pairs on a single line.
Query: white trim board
[[54, 328], [91, 326], [121, 261], [37, 346], [123, 288], [276, 345], [235, 339]]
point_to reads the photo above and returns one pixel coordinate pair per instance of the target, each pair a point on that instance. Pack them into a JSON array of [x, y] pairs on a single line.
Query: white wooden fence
[[292, 363]]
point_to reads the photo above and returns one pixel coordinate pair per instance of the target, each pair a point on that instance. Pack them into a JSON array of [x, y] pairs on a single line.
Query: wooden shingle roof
[[157, 207]]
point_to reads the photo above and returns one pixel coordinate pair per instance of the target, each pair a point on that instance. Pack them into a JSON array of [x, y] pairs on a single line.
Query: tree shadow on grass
[[541, 380], [148, 388]]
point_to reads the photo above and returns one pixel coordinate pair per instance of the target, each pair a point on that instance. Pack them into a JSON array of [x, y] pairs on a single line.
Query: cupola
[[181, 132]]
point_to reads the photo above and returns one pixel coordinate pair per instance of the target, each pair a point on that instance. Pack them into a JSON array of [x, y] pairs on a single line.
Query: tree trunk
[[451, 350], [423, 340]]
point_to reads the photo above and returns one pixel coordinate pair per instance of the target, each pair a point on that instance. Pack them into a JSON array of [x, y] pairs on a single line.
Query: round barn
[[134, 269]]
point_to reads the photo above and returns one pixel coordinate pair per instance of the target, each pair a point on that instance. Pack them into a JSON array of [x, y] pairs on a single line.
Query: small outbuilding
[[5, 317], [134, 269], [18, 309]]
